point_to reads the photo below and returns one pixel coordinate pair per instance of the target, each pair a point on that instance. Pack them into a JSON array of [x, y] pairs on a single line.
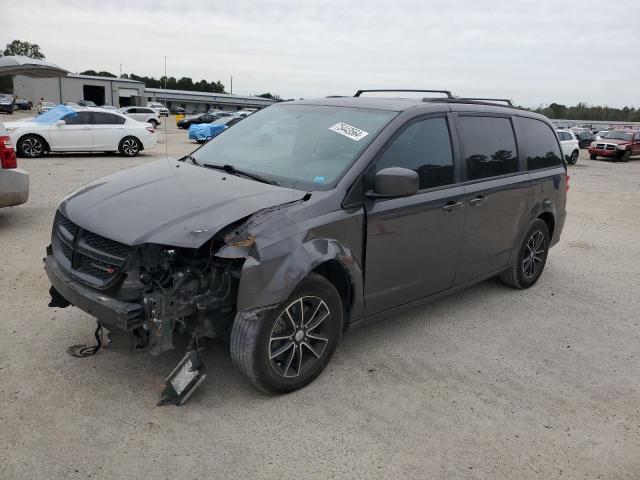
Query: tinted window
[[489, 146], [540, 144], [78, 118], [103, 118], [564, 136], [424, 146]]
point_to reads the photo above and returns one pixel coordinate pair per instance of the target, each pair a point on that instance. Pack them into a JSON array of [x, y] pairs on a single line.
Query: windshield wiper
[[233, 170]]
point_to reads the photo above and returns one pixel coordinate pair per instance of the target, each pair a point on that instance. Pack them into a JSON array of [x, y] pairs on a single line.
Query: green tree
[[25, 49]]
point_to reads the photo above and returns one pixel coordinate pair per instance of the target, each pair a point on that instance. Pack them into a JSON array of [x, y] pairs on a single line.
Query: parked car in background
[[601, 133], [617, 144], [570, 145], [203, 132], [23, 104], [14, 182], [110, 108], [281, 239], [142, 114], [244, 113], [64, 129], [578, 130], [178, 111], [87, 103], [159, 108], [72, 105], [585, 139], [202, 118], [6, 104]]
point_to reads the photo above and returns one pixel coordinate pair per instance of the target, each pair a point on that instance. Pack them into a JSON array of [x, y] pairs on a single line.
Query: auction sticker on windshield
[[348, 131]]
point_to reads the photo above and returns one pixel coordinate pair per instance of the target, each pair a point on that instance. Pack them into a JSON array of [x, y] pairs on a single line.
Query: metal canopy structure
[[30, 67]]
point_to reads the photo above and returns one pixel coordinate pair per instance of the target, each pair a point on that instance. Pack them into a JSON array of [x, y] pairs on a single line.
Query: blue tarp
[[56, 113], [205, 131]]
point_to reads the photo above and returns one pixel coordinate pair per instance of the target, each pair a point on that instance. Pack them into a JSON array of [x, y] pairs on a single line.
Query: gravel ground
[[490, 383]]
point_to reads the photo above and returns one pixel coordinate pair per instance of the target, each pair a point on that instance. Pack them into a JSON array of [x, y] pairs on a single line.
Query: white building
[[121, 92]]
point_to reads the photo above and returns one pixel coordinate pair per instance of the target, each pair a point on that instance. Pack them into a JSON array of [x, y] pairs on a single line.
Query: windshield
[[618, 135], [306, 147]]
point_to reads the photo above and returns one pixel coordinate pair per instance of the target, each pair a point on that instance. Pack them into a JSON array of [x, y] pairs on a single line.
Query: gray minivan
[[304, 219]]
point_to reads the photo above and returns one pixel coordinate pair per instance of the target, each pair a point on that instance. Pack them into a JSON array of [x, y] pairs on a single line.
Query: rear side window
[[78, 118], [489, 146], [102, 118], [540, 145], [425, 147]]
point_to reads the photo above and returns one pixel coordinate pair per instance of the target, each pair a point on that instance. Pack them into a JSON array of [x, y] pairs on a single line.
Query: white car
[[159, 108], [142, 114], [63, 129], [14, 182], [570, 146]]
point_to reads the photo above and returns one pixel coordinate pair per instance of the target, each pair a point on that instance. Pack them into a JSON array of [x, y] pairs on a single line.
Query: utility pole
[[120, 76], [231, 84]]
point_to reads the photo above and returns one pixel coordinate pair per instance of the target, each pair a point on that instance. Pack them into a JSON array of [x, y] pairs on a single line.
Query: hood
[[613, 141], [169, 203]]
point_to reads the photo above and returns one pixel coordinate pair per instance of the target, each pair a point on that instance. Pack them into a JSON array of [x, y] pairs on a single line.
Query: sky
[[534, 52]]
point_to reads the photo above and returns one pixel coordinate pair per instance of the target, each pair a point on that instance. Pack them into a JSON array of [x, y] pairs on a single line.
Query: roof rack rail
[[446, 92], [505, 100]]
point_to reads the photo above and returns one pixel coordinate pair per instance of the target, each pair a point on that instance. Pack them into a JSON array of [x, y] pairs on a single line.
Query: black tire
[[201, 141], [573, 158], [625, 156], [255, 342], [154, 124], [31, 146], [129, 147], [593, 156], [526, 271]]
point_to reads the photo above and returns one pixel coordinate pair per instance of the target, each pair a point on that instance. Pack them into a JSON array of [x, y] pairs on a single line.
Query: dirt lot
[[489, 383]]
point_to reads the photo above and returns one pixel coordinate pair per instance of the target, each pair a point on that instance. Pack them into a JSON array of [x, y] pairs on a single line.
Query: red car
[[618, 144]]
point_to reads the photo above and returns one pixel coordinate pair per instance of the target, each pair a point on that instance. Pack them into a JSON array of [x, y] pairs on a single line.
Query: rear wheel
[[573, 159], [31, 146], [593, 156], [129, 146], [532, 257], [292, 344]]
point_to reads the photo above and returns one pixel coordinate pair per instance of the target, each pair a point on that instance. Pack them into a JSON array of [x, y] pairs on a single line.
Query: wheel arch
[[47, 147]]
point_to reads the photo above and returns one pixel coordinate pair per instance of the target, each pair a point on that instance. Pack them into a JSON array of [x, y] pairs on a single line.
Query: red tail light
[[566, 179], [7, 154]]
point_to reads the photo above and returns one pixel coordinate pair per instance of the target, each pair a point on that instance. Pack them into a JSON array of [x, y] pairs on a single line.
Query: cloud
[[532, 51]]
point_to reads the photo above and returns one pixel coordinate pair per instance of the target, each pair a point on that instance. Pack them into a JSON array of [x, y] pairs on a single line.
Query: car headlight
[[622, 147]]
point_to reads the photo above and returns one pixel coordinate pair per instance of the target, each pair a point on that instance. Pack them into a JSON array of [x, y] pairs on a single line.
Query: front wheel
[[532, 257], [593, 156], [129, 147], [573, 159], [625, 156], [292, 344], [31, 146]]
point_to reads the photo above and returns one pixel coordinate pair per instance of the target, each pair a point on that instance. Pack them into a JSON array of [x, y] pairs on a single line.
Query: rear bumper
[[14, 187], [109, 311]]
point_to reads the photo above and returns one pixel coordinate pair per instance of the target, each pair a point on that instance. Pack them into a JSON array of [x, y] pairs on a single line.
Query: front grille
[[605, 146], [90, 257]]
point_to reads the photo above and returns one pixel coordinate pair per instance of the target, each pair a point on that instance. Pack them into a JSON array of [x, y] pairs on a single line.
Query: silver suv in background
[[142, 114], [14, 182]]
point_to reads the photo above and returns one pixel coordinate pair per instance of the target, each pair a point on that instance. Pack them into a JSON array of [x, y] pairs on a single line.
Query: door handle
[[478, 201], [451, 206]]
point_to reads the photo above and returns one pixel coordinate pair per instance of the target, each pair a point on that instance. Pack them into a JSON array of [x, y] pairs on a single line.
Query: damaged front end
[[148, 297]]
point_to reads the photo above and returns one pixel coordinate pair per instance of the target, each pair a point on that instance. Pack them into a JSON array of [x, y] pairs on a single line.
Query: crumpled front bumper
[[109, 312]]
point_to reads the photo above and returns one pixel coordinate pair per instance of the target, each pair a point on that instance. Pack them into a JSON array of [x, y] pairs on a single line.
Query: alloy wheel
[[130, 147], [299, 337], [32, 147], [533, 255]]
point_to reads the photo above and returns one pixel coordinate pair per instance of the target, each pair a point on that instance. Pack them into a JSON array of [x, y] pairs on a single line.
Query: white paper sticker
[[348, 131]]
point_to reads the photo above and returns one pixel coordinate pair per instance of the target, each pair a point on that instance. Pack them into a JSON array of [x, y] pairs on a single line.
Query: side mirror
[[59, 123], [395, 182]]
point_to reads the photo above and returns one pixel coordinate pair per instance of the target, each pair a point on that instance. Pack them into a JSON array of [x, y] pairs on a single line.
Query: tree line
[[583, 111]]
